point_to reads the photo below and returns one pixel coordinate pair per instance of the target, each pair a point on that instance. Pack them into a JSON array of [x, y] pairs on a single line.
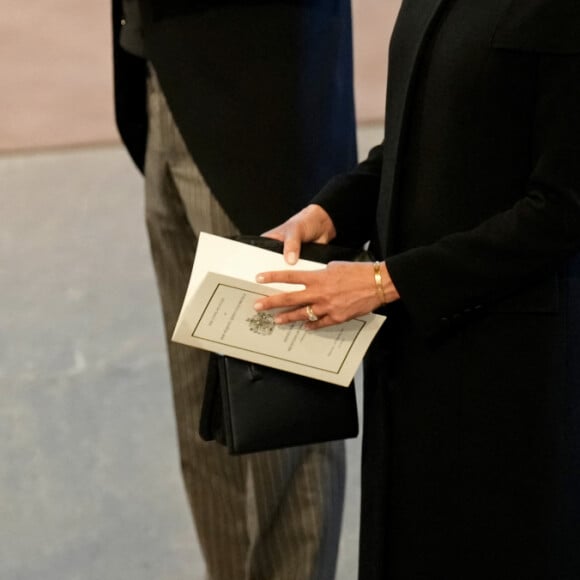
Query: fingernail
[[258, 306], [260, 278], [292, 258]]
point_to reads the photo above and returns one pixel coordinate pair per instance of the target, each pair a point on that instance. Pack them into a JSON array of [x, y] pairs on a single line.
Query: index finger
[[284, 276]]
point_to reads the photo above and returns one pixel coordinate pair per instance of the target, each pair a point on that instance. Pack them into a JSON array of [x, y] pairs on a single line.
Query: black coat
[[471, 458], [261, 91]]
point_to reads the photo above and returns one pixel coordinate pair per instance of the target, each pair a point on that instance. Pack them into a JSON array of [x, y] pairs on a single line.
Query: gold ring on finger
[[310, 314]]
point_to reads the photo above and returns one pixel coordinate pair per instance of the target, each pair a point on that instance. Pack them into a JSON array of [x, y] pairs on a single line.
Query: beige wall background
[[56, 82]]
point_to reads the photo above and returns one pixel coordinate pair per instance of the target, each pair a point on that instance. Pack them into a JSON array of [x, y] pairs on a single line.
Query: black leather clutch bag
[[249, 407]]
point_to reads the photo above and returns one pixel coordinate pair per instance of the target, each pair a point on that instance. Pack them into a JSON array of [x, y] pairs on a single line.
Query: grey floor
[[89, 480]]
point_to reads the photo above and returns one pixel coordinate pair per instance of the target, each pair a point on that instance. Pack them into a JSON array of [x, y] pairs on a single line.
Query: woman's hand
[[340, 292], [312, 224]]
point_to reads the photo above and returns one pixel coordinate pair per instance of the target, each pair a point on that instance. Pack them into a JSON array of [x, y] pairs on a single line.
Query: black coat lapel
[[411, 28]]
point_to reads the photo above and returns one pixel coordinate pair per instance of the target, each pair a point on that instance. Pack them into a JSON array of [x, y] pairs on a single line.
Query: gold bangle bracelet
[[379, 282]]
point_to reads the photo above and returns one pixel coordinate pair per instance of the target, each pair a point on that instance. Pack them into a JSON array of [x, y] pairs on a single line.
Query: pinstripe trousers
[[266, 516]]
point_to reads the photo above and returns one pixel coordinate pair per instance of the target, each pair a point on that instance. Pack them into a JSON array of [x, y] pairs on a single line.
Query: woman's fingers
[[288, 234], [289, 300], [286, 277], [285, 300], [311, 224], [275, 234], [299, 314], [302, 315], [339, 292]]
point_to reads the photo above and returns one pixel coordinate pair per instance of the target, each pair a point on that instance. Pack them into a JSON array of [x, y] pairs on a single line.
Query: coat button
[[123, 22]]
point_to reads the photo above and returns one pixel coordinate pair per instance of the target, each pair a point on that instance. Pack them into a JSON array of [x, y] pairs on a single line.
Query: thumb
[[289, 235], [292, 243]]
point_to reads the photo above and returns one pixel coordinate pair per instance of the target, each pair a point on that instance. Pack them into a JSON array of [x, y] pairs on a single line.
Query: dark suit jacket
[[261, 91], [471, 461]]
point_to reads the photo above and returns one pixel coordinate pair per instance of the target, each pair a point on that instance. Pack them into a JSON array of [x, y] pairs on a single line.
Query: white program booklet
[[218, 315]]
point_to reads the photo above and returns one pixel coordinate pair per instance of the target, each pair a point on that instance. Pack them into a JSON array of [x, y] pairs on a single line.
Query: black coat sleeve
[[351, 200], [512, 250]]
